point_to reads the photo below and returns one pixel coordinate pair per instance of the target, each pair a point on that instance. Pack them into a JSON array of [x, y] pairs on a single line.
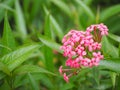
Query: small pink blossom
[[66, 78], [101, 27], [60, 70]]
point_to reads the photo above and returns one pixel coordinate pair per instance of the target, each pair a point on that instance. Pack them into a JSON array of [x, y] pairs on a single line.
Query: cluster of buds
[[82, 49]]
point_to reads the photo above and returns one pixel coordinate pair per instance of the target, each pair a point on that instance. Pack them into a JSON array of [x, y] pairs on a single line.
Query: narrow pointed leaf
[[114, 37], [50, 43], [33, 82], [108, 48], [54, 25], [17, 57], [31, 69], [57, 29], [7, 38], [107, 13], [86, 9], [4, 68], [6, 7], [20, 20], [49, 55], [8, 3], [111, 65], [63, 6]]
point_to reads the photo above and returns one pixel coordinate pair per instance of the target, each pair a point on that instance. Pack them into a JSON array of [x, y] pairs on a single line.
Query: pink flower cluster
[[83, 48]]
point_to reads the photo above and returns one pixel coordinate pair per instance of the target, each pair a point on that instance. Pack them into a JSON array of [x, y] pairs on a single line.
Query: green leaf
[[114, 37], [117, 83], [20, 20], [113, 65], [119, 49], [7, 3], [3, 46], [17, 57], [33, 82], [4, 68], [67, 86], [87, 2], [107, 13], [86, 9], [108, 48], [7, 38], [6, 7], [47, 28], [30, 69], [49, 55], [35, 8], [57, 29], [113, 78], [55, 26], [63, 6], [50, 43]]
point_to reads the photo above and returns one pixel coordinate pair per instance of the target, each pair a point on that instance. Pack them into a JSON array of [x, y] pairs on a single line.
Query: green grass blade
[[7, 38], [17, 57], [86, 9], [107, 13], [50, 43], [30, 69], [33, 82], [21, 27]]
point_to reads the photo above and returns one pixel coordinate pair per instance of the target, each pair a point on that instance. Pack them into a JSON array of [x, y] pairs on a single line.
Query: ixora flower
[[82, 48]]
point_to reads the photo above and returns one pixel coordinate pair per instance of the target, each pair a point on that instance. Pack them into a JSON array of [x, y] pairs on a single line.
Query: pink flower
[[101, 27], [66, 78], [82, 49]]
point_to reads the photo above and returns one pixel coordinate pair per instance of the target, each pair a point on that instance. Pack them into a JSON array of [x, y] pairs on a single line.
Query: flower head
[[83, 48]]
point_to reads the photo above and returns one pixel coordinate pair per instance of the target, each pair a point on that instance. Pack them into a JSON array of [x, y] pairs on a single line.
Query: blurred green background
[[47, 21]]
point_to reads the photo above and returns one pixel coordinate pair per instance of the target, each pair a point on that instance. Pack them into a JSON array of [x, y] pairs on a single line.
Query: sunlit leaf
[[17, 57], [7, 38]]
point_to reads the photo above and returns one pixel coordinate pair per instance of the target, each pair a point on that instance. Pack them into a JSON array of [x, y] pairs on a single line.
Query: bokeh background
[[53, 19]]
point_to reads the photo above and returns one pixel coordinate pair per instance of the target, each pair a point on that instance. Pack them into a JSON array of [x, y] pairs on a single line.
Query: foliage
[[31, 34]]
